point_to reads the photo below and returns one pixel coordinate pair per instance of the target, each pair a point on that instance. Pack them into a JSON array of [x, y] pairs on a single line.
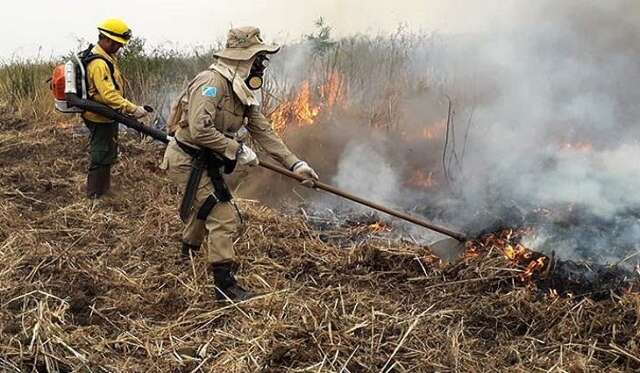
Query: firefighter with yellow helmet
[[105, 85]]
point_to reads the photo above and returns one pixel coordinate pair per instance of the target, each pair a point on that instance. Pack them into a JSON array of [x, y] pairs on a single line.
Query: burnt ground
[[98, 286]]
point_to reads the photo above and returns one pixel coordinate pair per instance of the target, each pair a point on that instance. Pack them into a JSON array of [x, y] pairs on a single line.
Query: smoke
[[561, 127], [550, 98], [358, 163]]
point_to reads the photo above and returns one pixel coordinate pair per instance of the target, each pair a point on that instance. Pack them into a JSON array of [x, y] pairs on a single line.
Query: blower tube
[[104, 110]]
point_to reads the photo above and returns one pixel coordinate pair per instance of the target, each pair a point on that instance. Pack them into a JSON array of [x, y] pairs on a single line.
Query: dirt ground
[[98, 286]]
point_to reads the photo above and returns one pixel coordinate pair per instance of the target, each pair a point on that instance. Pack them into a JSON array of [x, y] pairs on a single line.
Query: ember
[[379, 227], [533, 267], [471, 252], [530, 262], [562, 277]]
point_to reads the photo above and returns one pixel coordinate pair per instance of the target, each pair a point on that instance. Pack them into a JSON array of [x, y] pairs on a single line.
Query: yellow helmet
[[116, 30]]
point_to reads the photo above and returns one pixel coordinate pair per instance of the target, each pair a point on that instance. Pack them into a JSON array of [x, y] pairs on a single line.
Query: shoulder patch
[[209, 91]]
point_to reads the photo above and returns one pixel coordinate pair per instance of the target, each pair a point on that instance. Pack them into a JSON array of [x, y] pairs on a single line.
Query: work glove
[[304, 170], [140, 112], [246, 156]]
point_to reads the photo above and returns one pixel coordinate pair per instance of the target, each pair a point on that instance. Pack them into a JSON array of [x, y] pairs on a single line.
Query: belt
[[205, 159]]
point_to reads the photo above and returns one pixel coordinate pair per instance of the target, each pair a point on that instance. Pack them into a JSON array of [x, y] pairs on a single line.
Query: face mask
[[255, 79]]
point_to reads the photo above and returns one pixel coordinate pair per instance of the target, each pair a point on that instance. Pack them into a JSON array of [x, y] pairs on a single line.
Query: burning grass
[[98, 286], [307, 103]]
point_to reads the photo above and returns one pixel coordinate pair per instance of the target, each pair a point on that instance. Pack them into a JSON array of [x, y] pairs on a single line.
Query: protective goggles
[[126, 36]]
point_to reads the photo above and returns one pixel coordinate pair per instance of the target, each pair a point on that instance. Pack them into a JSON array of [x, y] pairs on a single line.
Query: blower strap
[[87, 56]]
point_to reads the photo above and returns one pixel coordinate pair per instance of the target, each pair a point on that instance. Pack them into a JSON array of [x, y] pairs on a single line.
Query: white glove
[[303, 169], [246, 156], [140, 112]]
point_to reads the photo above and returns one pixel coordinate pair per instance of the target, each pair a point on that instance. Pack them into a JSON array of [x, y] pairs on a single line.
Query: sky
[[48, 28]]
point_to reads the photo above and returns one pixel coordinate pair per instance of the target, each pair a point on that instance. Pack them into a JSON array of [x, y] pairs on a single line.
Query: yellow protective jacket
[[102, 89]]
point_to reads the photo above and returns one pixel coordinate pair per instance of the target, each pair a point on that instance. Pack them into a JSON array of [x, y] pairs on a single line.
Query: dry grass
[[97, 286]]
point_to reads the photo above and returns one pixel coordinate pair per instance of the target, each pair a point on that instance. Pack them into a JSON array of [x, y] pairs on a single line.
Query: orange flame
[[520, 254], [529, 262], [302, 110], [534, 266], [517, 254], [379, 227], [332, 91]]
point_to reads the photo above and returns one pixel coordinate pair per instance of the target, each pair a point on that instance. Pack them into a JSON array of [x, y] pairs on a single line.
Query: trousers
[[103, 144], [220, 228]]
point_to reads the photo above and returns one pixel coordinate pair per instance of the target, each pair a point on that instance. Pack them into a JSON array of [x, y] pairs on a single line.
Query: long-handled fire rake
[[447, 248], [333, 190]]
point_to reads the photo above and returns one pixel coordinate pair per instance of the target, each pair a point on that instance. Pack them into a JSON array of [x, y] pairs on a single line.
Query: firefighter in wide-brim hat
[[211, 117], [105, 85]]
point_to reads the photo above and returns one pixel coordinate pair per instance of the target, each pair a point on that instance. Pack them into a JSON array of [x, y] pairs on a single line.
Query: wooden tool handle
[[400, 215]]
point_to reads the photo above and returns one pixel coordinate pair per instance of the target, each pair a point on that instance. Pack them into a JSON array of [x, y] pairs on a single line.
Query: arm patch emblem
[[209, 91]]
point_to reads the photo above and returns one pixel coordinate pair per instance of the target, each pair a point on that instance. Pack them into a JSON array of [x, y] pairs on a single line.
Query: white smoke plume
[[554, 98], [358, 163]]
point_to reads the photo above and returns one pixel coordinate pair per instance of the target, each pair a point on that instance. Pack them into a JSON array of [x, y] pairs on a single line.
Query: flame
[[378, 227], [509, 252], [521, 255], [530, 262], [421, 179], [533, 267], [302, 110], [332, 91]]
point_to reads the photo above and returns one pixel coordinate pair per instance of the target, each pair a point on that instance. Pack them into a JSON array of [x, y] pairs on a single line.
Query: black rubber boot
[[106, 186], [227, 287], [188, 250], [92, 184], [98, 182]]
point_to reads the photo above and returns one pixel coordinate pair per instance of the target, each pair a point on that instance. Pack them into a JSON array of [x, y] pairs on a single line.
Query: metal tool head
[[448, 249]]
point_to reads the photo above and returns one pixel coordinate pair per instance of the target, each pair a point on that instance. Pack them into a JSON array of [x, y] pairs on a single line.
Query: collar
[[97, 49], [239, 87]]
